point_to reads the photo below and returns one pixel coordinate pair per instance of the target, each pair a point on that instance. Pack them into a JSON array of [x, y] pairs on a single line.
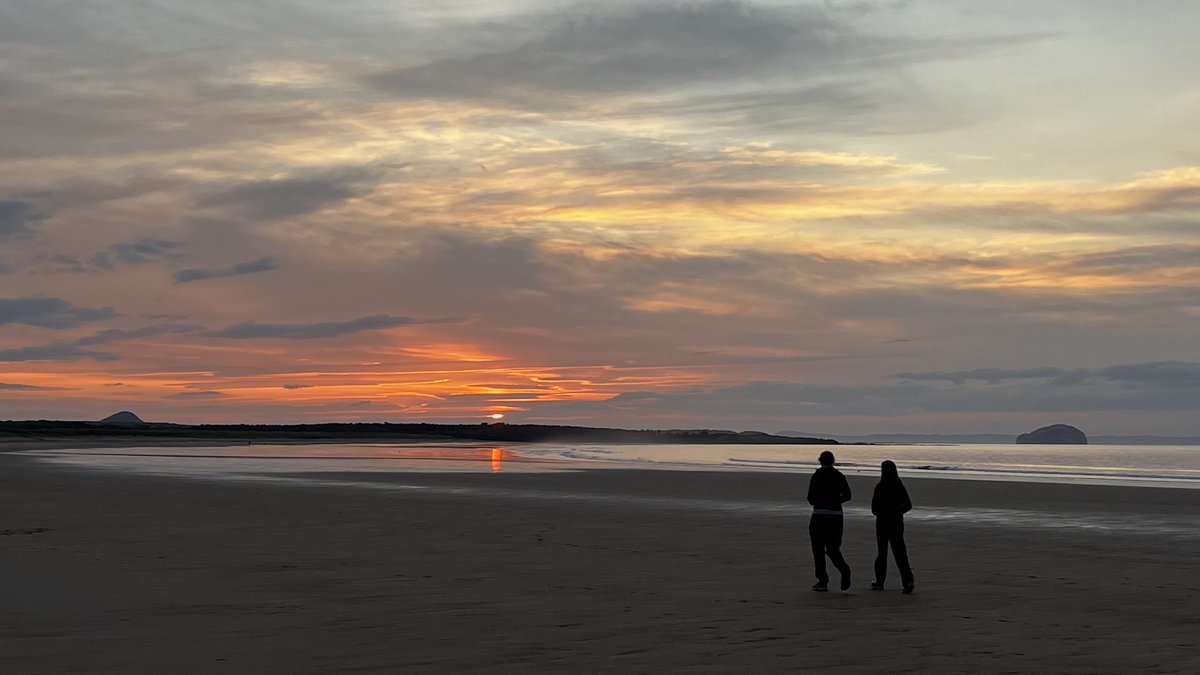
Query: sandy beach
[[590, 571]]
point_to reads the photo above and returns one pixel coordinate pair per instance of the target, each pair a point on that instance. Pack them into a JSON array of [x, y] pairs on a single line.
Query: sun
[[497, 416]]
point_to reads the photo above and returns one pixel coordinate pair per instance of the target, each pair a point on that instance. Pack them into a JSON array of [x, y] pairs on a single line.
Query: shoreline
[[516, 457]]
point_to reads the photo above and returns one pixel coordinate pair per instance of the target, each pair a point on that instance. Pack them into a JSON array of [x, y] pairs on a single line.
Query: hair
[[888, 471], [826, 458]]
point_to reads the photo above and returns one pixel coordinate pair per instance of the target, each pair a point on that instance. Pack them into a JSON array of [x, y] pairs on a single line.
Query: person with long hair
[[889, 504]]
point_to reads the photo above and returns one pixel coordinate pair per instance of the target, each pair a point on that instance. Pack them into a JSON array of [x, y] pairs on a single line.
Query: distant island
[[122, 419], [126, 424], [1055, 434]]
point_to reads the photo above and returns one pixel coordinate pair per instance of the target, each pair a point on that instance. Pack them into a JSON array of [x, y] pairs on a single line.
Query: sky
[[835, 217]]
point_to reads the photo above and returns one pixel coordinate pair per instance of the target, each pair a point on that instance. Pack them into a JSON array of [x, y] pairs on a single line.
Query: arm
[[845, 492], [875, 502], [811, 484], [905, 503]]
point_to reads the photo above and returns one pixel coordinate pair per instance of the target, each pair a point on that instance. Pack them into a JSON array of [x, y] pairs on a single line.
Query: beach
[[604, 570]]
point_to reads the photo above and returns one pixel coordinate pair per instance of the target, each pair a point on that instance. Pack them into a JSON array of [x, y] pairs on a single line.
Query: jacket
[[828, 489], [890, 500]]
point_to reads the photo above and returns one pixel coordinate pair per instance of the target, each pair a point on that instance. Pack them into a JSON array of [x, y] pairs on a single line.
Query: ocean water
[[1167, 466], [365, 466]]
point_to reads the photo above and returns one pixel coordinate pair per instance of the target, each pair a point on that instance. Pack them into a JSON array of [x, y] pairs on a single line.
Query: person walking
[[889, 504], [827, 491]]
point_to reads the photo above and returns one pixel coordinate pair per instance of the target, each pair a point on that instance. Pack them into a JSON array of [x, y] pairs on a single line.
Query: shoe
[[846, 580], [822, 587], [908, 589], [876, 586]]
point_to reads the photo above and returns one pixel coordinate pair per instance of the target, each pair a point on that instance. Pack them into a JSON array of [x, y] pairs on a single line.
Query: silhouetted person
[[827, 491], [889, 504]]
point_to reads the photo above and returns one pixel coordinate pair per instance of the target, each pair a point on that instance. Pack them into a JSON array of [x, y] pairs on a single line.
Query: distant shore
[[221, 434]]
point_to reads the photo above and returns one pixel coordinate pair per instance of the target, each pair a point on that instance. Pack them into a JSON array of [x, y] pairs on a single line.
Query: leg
[[881, 544], [816, 536], [900, 550], [833, 544]]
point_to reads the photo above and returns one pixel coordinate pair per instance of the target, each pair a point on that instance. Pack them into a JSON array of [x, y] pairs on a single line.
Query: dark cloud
[[197, 395], [870, 108], [141, 252], [53, 352], [765, 400], [116, 335], [794, 66], [16, 219], [251, 267], [5, 386], [297, 386], [286, 197], [49, 312], [75, 351], [1157, 373], [311, 331], [60, 262], [628, 52], [1137, 258]]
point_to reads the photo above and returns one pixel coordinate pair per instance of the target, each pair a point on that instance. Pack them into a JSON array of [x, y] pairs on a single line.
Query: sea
[[1140, 465], [391, 467]]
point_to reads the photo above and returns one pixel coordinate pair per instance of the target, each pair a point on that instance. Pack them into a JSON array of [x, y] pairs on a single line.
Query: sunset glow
[[812, 215]]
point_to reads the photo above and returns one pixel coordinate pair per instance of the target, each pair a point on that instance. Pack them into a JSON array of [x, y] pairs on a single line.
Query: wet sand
[[106, 572]]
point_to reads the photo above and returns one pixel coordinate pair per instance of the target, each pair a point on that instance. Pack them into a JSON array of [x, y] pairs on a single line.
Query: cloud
[[16, 219], [1137, 258], [298, 386], [771, 66], [6, 386], [61, 262], [197, 395], [115, 335], [286, 197], [141, 252], [311, 331], [52, 352], [251, 267], [629, 51], [46, 312], [1157, 373], [775, 400], [74, 351]]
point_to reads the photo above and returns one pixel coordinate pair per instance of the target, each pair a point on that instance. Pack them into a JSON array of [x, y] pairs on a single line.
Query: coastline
[[110, 572]]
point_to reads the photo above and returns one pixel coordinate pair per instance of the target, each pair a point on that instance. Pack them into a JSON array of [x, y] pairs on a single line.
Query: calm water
[[352, 466], [1174, 466]]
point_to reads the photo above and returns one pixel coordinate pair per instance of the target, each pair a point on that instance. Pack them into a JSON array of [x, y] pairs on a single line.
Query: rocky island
[[1055, 434]]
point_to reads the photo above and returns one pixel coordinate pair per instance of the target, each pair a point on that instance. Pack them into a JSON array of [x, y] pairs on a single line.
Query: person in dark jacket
[[889, 504], [827, 491]]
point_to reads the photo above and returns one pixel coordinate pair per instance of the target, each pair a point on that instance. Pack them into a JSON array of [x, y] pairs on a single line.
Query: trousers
[[825, 532], [890, 531]]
